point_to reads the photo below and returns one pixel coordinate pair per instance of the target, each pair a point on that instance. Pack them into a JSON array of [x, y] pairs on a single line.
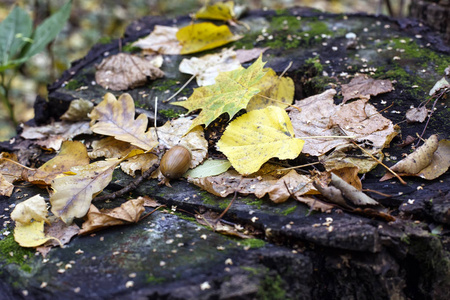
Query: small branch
[[429, 117], [301, 166], [156, 115], [130, 187], [181, 88], [285, 70], [148, 214]]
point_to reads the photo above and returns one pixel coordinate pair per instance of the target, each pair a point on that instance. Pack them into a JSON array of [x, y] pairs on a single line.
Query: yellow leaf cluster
[[223, 11]]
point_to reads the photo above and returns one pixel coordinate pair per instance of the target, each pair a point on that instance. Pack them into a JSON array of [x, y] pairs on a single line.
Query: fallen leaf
[[349, 175], [141, 162], [72, 153], [207, 67], [416, 161], [443, 83], [110, 148], [73, 193], [10, 171], [363, 87], [210, 167], [6, 187], [203, 36], [128, 212], [209, 219], [62, 233], [78, 110], [163, 39], [255, 137], [31, 234], [51, 136], [440, 162], [33, 208], [231, 93], [342, 157], [245, 55], [116, 118], [319, 116], [123, 71], [416, 114], [274, 90], [223, 11]]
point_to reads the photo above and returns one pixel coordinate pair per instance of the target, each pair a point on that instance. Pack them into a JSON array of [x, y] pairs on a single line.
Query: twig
[[301, 166], [180, 89], [148, 214], [380, 162], [378, 112], [156, 115], [285, 70], [16, 163], [281, 102], [131, 186], [429, 117], [226, 209]]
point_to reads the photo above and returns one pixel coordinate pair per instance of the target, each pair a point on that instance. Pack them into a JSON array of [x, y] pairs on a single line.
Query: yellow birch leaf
[[231, 93], [73, 153], [254, 138], [203, 36], [272, 88], [116, 118], [74, 193], [223, 11], [31, 234]]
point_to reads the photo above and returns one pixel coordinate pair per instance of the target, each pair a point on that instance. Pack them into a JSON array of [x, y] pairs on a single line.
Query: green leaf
[[210, 167], [15, 31], [46, 32]]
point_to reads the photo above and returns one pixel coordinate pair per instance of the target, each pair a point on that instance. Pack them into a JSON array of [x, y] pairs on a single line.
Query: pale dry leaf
[[363, 87], [6, 187], [78, 110], [246, 55], [440, 162], [73, 193], [11, 171], [59, 230], [123, 71], [443, 83], [51, 136], [349, 175], [128, 212], [341, 158], [416, 114], [207, 67], [33, 208], [141, 162], [109, 147], [162, 40]]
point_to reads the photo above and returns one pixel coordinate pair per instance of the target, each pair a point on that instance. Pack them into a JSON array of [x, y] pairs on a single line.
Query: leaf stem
[[180, 89]]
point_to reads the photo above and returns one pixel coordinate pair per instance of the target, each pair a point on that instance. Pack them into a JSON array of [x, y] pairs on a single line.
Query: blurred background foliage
[[92, 21]]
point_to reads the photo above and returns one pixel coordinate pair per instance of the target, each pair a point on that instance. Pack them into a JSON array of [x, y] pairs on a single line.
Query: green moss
[[129, 48], [154, 279], [247, 42], [252, 270], [184, 216], [209, 199], [73, 85], [289, 210], [252, 243], [271, 288], [164, 85], [252, 201], [169, 113], [315, 62], [288, 24], [12, 253], [104, 40]]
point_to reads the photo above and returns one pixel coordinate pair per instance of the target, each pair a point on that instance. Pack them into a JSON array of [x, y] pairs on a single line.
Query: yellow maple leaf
[[203, 36], [254, 138], [275, 91], [31, 234], [116, 118], [74, 193], [73, 153], [223, 11], [231, 93]]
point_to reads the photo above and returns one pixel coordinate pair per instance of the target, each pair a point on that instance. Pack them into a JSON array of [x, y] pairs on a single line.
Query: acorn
[[175, 162]]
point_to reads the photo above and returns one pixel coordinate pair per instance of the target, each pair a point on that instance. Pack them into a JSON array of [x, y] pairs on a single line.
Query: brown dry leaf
[[210, 219], [141, 162], [163, 39], [11, 172], [341, 158], [123, 71], [51, 136], [349, 175], [110, 148], [73, 153], [207, 67], [149, 202], [245, 55], [320, 117], [6, 187], [59, 230], [128, 212], [416, 114], [115, 117], [416, 161], [363, 87], [440, 162]]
